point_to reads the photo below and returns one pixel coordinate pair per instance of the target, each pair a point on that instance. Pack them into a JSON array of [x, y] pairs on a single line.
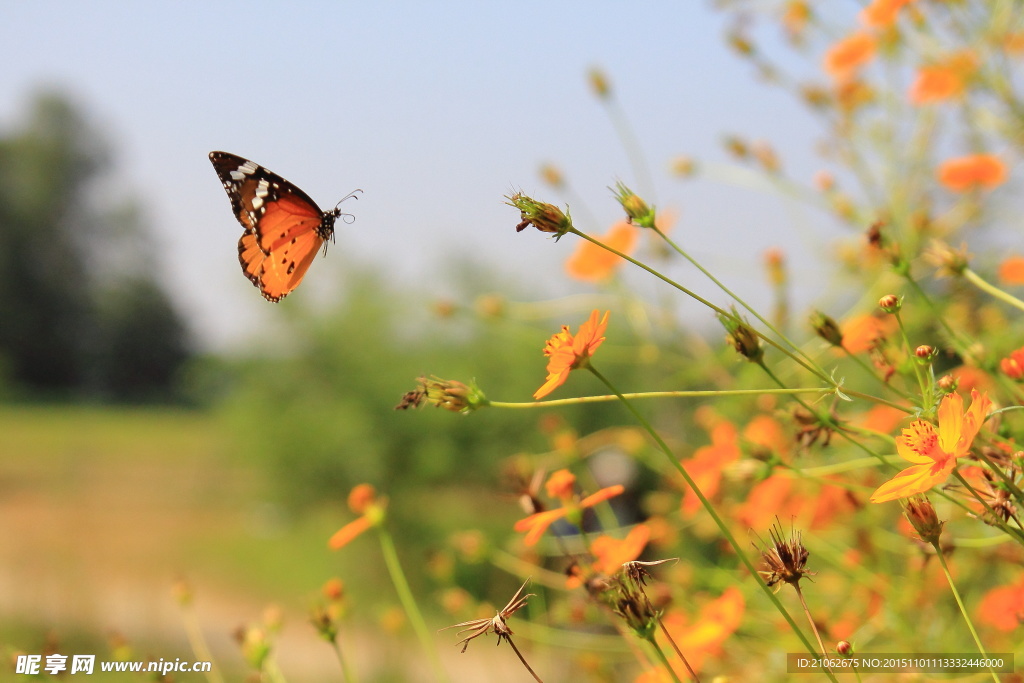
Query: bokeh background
[[162, 423]]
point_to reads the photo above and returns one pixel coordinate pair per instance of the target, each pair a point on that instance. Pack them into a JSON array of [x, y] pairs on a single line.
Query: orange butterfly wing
[[283, 227], [288, 234]]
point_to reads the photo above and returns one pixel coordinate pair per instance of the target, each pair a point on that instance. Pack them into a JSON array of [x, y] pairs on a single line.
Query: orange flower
[[882, 419], [561, 485], [363, 501], [591, 263], [846, 58], [809, 504], [945, 80], [538, 523], [704, 636], [566, 352], [861, 332], [972, 171], [1013, 365], [707, 464], [611, 553], [882, 13], [1003, 607], [1011, 271], [934, 452]]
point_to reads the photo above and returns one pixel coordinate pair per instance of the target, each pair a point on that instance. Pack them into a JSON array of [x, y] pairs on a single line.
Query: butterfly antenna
[[347, 217]]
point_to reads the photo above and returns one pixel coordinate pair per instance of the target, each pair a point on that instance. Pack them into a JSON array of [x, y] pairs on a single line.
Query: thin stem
[[346, 670], [198, 643], [658, 394], [664, 660], [807, 613], [721, 311], [733, 295], [926, 396], [707, 506], [672, 642], [405, 595], [963, 610], [523, 660], [992, 290]]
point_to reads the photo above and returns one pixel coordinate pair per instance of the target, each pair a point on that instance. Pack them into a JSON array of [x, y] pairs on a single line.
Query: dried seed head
[[785, 559]]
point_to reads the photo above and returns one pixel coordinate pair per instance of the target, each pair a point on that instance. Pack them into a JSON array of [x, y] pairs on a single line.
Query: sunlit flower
[[1003, 607], [611, 553], [1013, 365], [363, 501], [1011, 271], [561, 485], [944, 80], [861, 333], [567, 352], [973, 171], [704, 635], [591, 263], [536, 524], [848, 56], [934, 451], [814, 505], [707, 464], [882, 13]]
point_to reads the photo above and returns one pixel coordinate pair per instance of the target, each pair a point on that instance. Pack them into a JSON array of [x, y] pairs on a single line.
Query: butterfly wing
[[283, 227]]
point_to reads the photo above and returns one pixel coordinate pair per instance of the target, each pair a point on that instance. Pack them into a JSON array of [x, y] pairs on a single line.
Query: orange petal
[[602, 495], [345, 534], [1011, 271]]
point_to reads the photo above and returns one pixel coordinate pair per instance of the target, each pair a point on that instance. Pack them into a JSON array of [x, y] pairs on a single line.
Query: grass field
[[101, 510]]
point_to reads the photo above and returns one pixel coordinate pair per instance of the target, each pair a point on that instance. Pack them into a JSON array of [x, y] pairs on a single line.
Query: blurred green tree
[[81, 314]]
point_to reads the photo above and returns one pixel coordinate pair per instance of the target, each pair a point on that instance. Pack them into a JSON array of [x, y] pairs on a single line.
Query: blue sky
[[435, 110]]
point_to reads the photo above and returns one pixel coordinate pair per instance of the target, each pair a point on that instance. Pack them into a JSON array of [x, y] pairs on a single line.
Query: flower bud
[[925, 354], [844, 648], [599, 82], [826, 328], [637, 210], [742, 337], [890, 303], [544, 217], [921, 515]]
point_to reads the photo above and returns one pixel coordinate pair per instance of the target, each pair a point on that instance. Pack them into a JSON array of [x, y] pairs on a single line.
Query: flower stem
[[992, 290], [523, 660], [346, 670], [926, 394], [707, 506], [721, 311], [963, 610], [198, 643], [664, 660], [733, 295], [409, 602], [658, 394]]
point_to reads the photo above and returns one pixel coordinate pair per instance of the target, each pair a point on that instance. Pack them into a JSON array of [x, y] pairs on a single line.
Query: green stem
[[346, 670], [926, 396], [405, 595], [960, 603], [734, 296], [710, 509], [195, 638], [720, 311], [992, 290], [860, 361], [661, 657], [657, 394]]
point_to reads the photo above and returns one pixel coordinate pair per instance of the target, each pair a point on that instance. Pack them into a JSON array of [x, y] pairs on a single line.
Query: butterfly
[[284, 228]]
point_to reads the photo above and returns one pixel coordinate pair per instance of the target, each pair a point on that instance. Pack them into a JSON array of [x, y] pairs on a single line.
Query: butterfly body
[[283, 229]]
